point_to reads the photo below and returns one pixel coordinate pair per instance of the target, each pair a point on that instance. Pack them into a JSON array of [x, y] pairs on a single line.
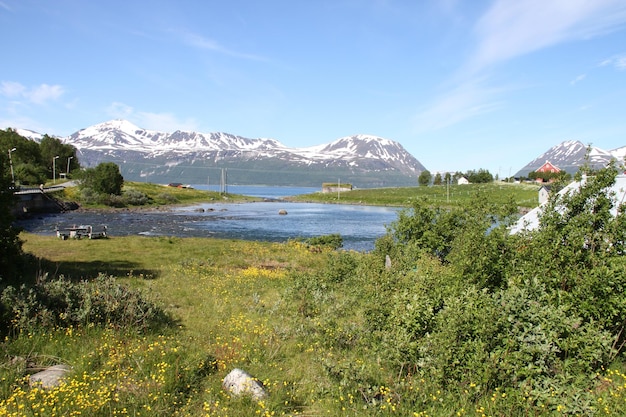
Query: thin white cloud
[[12, 89], [201, 42], [5, 6], [163, 122], [578, 79], [40, 94], [617, 61], [513, 28], [43, 93], [469, 100], [509, 29]]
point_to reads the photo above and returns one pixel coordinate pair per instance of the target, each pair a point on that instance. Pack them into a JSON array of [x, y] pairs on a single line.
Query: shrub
[[136, 198], [63, 303], [167, 198], [103, 179], [316, 243], [539, 312]]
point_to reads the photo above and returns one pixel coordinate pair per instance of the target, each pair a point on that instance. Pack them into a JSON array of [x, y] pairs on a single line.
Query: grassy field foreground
[[291, 316], [226, 299]]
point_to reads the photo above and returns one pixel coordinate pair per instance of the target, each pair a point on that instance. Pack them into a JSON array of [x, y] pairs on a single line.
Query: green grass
[[252, 305], [224, 293], [160, 195], [524, 195]]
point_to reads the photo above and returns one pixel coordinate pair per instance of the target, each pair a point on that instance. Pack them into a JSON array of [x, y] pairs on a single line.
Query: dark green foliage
[[332, 241], [538, 312], [451, 298], [424, 228], [548, 176], [64, 303], [136, 198], [104, 179], [479, 177], [10, 244], [30, 174], [51, 148], [424, 178], [32, 161]]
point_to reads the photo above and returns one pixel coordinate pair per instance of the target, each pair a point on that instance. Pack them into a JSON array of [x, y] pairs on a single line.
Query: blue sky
[[461, 84]]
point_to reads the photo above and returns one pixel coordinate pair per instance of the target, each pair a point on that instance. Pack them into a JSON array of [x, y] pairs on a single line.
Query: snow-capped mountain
[[193, 157], [571, 155], [30, 134]]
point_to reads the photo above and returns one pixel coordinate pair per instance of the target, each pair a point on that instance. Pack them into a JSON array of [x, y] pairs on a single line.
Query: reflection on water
[[359, 226]]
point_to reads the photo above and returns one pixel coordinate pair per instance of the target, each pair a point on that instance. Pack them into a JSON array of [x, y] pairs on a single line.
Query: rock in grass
[[49, 377], [239, 382]]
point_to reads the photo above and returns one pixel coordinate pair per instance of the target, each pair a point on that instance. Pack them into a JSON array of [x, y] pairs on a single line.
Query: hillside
[[192, 157]]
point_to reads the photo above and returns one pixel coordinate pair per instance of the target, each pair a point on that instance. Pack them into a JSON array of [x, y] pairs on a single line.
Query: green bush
[[105, 179], [136, 198], [538, 313], [167, 198], [63, 303], [332, 241]]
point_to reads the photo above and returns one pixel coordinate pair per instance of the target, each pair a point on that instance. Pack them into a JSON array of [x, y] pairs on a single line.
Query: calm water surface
[[359, 226]]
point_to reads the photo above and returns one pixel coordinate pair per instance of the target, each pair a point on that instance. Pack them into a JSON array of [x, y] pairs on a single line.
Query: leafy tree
[[10, 244], [53, 147], [30, 174], [437, 180], [547, 176], [32, 161], [424, 178], [103, 179], [479, 177], [26, 153], [539, 312]]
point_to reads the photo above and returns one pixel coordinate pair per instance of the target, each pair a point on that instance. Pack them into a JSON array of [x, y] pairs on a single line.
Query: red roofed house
[[547, 168]]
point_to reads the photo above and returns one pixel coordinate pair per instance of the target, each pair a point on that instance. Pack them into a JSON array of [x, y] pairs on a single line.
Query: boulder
[[239, 382], [49, 377], [282, 212]]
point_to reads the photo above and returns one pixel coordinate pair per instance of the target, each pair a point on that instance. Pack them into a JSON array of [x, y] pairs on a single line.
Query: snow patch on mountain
[[121, 135], [570, 155]]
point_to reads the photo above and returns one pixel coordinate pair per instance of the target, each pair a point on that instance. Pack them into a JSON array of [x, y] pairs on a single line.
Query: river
[[358, 225]]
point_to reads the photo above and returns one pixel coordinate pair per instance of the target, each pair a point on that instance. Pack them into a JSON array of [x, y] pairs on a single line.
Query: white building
[[530, 221]]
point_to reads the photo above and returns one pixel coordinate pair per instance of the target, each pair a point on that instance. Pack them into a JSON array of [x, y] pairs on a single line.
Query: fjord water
[[359, 225]]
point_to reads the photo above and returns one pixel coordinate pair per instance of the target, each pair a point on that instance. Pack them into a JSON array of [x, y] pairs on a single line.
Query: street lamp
[[11, 164], [54, 169], [68, 166]]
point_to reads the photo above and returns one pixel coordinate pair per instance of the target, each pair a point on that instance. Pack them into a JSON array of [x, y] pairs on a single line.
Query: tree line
[[480, 176], [35, 163]]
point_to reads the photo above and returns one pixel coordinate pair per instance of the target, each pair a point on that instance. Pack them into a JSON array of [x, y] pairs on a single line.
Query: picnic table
[[81, 231]]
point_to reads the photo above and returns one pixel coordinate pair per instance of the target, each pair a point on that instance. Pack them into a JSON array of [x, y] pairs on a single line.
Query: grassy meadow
[[441, 319], [154, 195], [524, 195]]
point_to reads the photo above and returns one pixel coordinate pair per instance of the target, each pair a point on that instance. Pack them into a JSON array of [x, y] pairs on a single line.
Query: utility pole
[[54, 169], [11, 163], [224, 181], [68, 165]]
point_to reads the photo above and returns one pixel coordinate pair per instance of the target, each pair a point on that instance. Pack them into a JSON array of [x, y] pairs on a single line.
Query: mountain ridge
[[570, 155], [179, 156]]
